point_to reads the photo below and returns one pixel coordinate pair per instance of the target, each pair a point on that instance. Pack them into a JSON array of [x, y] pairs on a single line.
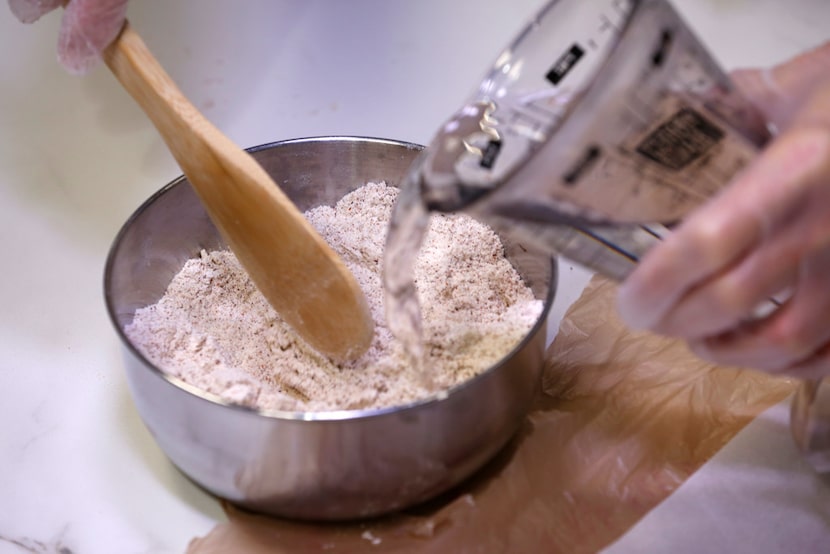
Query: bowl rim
[[318, 416]]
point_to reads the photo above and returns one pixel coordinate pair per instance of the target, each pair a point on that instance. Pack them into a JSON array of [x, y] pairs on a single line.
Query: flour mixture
[[215, 331]]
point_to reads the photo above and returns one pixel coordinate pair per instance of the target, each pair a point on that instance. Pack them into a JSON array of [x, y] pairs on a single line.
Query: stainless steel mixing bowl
[[325, 465]]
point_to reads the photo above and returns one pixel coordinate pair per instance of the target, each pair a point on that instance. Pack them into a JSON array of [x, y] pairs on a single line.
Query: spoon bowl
[[288, 261]]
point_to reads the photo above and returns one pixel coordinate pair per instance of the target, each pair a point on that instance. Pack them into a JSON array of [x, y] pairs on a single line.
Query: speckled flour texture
[[215, 331]]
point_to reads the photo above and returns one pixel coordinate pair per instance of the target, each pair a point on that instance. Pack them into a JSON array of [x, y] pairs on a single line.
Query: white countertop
[[78, 471]]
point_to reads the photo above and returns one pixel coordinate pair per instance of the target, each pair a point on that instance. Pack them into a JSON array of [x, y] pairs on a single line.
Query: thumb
[[780, 91]]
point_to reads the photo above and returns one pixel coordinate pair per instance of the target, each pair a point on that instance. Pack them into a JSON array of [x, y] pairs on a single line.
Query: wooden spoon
[[289, 262]]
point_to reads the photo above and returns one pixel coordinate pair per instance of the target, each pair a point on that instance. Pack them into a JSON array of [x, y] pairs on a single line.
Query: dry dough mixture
[[215, 331]]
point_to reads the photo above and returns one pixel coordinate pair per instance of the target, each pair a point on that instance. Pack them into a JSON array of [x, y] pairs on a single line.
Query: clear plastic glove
[[766, 234], [87, 27]]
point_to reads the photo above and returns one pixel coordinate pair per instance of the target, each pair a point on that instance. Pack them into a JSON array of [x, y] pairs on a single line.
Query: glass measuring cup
[[602, 124], [597, 129]]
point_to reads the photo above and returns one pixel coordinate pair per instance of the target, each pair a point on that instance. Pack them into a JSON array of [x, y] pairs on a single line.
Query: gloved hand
[[87, 27], [767, 233]]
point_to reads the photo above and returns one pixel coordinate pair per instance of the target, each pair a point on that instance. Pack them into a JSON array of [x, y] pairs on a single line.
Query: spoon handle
[[289, 262]]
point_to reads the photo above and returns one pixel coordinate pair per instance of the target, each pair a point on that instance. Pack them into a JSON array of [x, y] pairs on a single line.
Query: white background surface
[[77, 468]]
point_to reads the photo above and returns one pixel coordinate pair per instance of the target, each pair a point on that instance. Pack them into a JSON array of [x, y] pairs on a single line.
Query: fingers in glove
[[791, 210], [87, 28], [794, 340], [29, 11], [732, 253]]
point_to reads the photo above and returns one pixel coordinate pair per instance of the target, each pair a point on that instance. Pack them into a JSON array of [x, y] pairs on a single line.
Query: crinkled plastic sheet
[[622, 421]]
